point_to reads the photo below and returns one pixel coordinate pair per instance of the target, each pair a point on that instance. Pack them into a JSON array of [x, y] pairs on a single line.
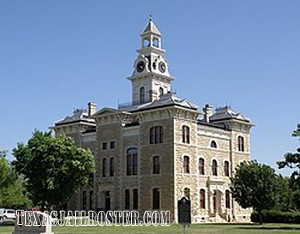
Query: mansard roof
[[226, 112], [169, 99], [78, 115]]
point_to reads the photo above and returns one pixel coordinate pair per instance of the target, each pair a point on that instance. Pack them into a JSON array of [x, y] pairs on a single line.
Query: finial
[[150, 17]]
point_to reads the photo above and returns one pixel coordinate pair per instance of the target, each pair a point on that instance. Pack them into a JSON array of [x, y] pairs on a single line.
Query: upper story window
[[155, 198], [104, 167], [186, 164], [201, 166], [214, 167], [202, 198], [161, 91], [112, 145], [213, 144], [226, 168], [156, 165], [156, 134], [185, 134], [241, 144], [104, 145], [132, 161], [111, 167], [155, 42], [142, 95]]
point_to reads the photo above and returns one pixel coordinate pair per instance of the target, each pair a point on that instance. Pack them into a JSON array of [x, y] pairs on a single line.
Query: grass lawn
[[195, 228]]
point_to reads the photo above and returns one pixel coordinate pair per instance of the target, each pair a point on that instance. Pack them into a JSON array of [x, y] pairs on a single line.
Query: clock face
[[140, 66], [162, 66]]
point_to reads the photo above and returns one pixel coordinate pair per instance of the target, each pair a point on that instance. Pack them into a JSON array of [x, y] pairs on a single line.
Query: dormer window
[[213, 144]]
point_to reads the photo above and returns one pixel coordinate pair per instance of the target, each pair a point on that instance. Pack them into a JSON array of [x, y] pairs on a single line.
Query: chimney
[[208, 111], [92, 108]]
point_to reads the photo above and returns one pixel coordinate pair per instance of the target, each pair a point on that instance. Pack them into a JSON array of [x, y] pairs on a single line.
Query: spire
[[151, 28]]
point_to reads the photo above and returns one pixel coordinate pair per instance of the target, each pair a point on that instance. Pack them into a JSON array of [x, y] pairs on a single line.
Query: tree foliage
[[54, 168], [254, 185], [12, 191], [292, 160]]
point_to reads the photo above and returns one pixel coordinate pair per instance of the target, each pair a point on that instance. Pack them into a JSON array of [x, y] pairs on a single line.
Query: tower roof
[[151, 28]]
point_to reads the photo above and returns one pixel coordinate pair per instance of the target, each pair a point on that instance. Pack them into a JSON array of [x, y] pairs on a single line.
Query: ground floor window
[[135, 199], [155, 198], [127, 199]]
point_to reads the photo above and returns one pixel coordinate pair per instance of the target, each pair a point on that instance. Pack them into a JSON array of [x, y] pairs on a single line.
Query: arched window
[[155, 198], [226, 168], [142, 95], [104, 167], [201, 166], [155, 42], [202, 198], [146, 43], [185, 134], [161, 91], [214, 167], [132, 161], [156, 165], [213, 144], [187, 193], [227, 198], [156, 134], [186, 164], [111, 167], [241, 144]]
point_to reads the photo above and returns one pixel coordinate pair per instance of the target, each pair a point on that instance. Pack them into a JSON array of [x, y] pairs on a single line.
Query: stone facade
[[157, 149]]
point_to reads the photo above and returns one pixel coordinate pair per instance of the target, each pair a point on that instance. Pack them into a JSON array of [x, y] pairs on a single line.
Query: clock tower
[[150, 78]]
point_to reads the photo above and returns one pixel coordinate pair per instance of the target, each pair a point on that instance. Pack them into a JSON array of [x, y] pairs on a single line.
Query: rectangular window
[[127, 199], [104, 145], [112, 145], [156, 165], [135, 199]]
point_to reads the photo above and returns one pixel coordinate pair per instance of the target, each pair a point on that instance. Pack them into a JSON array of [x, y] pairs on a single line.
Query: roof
[[227, 113], [78, 115], [151, 28], [168, 99]]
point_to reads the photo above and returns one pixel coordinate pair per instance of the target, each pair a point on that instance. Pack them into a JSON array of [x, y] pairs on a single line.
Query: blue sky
[[59, 55]]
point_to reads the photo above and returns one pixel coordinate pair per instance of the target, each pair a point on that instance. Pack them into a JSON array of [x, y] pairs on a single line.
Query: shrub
[[271, 216]]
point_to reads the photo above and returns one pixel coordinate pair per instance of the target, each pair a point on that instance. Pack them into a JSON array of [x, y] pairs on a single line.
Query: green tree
[[54, 168], [12, 190], [284, 201], [254, 185], [292, 160]]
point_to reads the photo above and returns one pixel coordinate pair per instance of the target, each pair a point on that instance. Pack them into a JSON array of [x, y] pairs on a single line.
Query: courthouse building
[[151, 152]]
